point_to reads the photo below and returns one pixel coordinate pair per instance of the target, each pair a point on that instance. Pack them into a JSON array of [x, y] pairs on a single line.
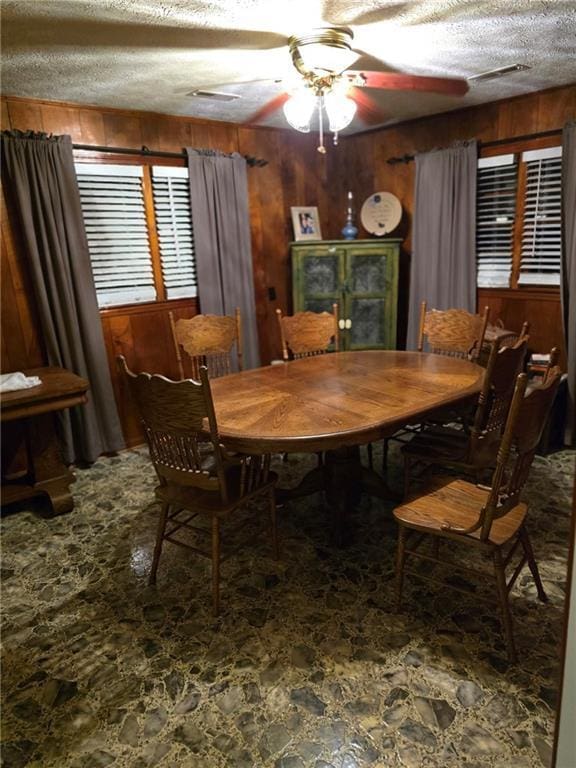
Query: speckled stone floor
[[307, 665]]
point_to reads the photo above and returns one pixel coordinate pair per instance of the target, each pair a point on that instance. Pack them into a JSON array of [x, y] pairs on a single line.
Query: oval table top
[[339, 399]]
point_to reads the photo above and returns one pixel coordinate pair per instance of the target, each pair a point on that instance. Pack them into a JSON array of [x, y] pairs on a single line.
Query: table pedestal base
[[343, 479]]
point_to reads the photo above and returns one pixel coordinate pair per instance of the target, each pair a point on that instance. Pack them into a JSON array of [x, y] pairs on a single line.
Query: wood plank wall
[[295, 175], [364, 170]]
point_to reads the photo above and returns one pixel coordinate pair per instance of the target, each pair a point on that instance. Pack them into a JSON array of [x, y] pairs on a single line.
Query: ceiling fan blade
[[368, 111], [269, 108], [395, 81]]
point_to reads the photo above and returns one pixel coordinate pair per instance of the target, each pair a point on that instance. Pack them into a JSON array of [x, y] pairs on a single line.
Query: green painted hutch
[[361, 276]]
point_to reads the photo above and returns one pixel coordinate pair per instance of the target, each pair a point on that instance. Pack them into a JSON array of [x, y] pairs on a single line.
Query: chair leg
[[385, 456], [504, 604], [370, 453], [400, 559], [274, 525], [407, 468], [215, 566], [529, 552], [162, 520]]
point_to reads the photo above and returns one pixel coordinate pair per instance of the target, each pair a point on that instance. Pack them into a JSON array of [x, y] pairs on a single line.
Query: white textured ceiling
[[147, 54]]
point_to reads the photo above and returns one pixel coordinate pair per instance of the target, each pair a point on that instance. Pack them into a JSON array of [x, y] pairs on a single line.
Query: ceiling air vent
[[215, 95], [495, 73]]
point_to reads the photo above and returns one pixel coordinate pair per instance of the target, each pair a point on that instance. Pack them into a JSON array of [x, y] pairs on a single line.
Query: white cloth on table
[[9, 382]]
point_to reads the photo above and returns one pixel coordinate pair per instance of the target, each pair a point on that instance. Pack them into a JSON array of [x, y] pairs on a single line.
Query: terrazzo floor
[[307, 664]]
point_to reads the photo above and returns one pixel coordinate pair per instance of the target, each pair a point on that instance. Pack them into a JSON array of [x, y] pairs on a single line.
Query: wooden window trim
[[144, 307], [153, 234]]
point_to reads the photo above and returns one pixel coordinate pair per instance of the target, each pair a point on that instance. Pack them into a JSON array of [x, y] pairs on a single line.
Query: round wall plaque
[[381, 213]]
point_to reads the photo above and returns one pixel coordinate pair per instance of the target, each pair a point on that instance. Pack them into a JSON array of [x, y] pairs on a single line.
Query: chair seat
[[459, 503], [210, 502]]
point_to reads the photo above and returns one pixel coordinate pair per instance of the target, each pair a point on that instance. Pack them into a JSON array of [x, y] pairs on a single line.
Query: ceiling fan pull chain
[[321, 147], [335, 138]]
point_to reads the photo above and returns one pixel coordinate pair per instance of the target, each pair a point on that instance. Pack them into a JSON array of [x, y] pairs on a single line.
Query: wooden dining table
[[333, 404]]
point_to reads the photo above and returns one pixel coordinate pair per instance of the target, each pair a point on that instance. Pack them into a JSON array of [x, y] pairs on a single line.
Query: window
[[495, 216], [139, 229], [518, 222], [542, 225], [174, 225]]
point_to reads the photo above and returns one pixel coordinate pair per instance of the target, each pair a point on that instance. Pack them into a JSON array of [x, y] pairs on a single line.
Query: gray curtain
[[443, 268], [40, 176], [221, 220], [568, 271]]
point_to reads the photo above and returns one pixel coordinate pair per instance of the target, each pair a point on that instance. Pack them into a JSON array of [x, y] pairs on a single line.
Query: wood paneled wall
[[364, 169], [295, 175]]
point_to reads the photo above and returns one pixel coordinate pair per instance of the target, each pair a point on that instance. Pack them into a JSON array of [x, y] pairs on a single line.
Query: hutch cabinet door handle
[[331, 249], [348, 324], [341, 323]]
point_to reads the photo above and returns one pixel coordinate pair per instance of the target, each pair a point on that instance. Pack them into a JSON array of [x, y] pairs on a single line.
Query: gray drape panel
[[443, 269], [42, 181], [221, 220], [568, 272]]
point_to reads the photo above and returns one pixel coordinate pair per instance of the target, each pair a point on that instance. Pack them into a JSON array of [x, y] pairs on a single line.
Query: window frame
[[113, 158], [517, 148]]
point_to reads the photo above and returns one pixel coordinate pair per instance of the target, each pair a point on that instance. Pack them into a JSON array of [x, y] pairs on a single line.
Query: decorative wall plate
[[381, 213]]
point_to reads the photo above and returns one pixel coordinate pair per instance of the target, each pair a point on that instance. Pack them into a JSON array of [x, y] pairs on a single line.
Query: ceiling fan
[[328, 89]]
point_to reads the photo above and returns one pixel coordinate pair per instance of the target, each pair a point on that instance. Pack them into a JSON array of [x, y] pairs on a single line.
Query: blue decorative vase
[[350, 231]]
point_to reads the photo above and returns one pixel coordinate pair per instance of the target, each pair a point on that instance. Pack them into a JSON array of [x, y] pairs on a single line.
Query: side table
[[46, 473]]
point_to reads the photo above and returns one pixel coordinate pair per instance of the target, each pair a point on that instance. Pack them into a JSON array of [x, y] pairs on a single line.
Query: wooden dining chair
[[504, 337], [489, 519], [306, 334], [453, 332], [471, 450], [207, 340], [198, 477]]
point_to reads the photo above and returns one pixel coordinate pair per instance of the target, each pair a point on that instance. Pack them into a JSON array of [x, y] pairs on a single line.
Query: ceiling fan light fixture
[[299, 109], [326, 50], [340, 110], [320, 58]]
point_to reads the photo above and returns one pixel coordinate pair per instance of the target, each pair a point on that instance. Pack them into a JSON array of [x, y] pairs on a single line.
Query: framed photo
[[306, 223]]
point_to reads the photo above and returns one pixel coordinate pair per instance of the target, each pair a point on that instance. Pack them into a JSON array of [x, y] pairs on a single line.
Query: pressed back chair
[[453, 332], [208, 340], [198, 478], [472, 450], [306, 334], [490, 519]]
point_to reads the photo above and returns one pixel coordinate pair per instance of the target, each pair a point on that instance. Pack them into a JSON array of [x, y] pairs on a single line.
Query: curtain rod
[[146, 152], [495, 143]]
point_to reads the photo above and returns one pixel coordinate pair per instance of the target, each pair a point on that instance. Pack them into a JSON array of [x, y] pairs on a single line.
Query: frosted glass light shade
[[319, 57], [340, 110], [299, 110]]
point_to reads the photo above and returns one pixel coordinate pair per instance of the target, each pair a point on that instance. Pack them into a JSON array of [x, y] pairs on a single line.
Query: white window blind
[[495, 215], [542, 226], [115, 219], [171, 191]]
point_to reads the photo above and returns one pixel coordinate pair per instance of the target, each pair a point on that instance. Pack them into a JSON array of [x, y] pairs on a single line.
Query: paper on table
[[10, 382]]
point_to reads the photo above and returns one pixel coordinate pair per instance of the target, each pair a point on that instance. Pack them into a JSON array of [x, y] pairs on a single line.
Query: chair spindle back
[[524, 427], [208, 341], [452, 332], [173, 414], [306, 334], [504, 366]]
